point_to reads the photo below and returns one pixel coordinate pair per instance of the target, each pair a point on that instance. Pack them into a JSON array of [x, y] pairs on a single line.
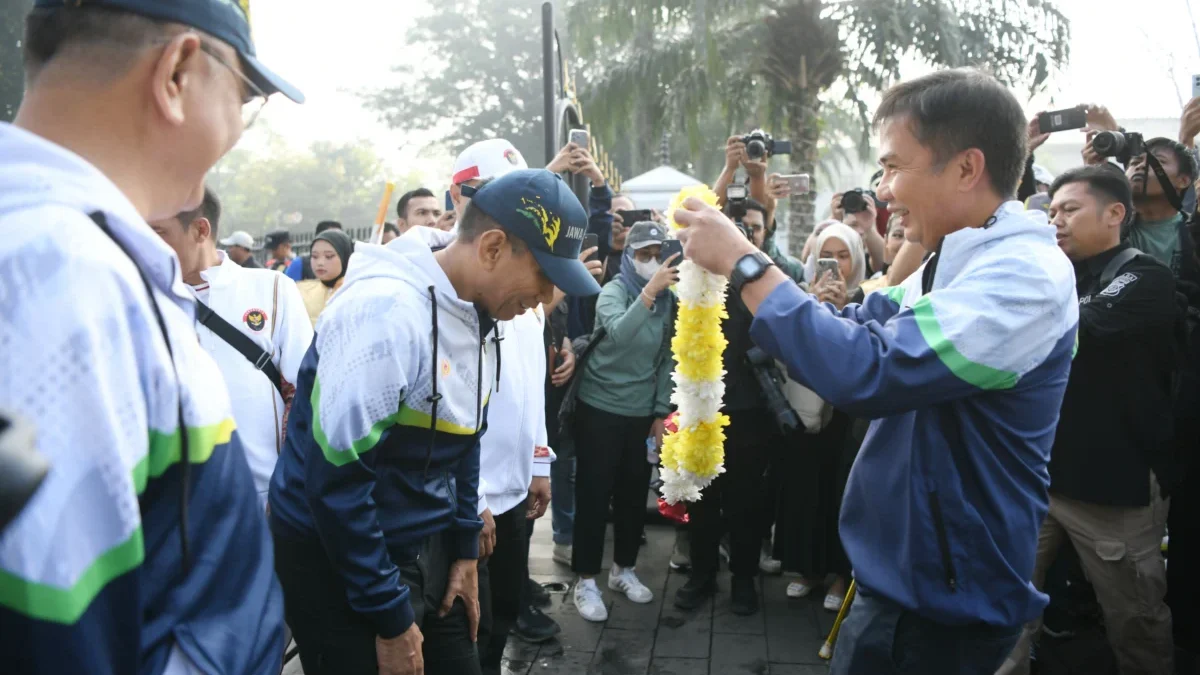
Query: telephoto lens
[[770, 380]]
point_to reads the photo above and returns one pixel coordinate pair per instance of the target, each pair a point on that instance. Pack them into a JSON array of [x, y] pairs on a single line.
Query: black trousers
[[610, 455], [335, 640], [750, 440], [501, 581]]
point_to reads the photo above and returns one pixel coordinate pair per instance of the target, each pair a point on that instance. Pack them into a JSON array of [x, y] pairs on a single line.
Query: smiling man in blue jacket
[[962, 368]]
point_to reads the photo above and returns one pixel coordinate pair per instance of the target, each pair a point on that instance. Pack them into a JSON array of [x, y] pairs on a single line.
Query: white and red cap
[[487, 159]]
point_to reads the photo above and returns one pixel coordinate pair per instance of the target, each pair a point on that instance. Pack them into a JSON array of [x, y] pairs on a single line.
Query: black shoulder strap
[[1113, 268], [239, 341]]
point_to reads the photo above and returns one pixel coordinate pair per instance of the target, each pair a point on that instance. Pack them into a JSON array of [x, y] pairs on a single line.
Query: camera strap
[[1172, 195]]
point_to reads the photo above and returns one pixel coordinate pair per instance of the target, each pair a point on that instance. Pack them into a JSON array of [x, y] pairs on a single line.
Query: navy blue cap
[[540, 209], [226, 20]]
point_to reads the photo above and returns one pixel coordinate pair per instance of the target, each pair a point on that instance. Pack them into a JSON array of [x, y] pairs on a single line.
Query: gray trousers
[[1120, 552]]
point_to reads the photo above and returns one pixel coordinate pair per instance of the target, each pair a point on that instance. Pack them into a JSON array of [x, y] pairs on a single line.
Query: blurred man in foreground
[[962, 368], [144, 551]]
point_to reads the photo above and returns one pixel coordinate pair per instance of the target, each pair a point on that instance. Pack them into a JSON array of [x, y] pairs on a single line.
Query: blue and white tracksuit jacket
[[943, 505], [370, 467], [92, 574]]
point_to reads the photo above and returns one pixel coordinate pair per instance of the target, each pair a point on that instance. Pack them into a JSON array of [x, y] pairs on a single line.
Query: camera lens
[[853, 202], [1108, 143], [756, 149]]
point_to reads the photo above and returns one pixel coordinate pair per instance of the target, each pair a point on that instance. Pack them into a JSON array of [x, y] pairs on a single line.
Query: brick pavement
[[657, 638]]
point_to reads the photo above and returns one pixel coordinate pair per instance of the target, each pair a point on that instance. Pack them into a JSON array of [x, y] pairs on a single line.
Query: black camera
[[855, 201], [1122, 146], [735, 206], [771, 381], [759, 144]]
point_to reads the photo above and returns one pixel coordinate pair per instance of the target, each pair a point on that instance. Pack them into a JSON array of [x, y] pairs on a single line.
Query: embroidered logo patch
[[547, 222], [445, 368], [511, 156], [1119, 284], [255, 319]]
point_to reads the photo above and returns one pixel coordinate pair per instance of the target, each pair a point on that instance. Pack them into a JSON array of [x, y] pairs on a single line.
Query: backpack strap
[[1113, 268], [239, 341]]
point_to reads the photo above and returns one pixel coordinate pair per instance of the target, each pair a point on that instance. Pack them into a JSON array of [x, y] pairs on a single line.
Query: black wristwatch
[[749, 267]]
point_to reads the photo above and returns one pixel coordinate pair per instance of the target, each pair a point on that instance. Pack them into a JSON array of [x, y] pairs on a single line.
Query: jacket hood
[[35, 172], [408, 259]]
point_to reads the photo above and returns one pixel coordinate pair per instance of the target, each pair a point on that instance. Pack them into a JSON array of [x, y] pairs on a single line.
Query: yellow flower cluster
[[699, 343], [692, 456], [701, 192], [699, 449]]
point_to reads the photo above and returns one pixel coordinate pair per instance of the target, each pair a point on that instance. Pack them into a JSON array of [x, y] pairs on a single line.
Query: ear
[[971, 168], [456, 197], [1114, 214], [491, 246], [201, 229], [175, 71]]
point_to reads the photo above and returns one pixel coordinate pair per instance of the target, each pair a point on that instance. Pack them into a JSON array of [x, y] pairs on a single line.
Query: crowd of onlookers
[[619, 385]]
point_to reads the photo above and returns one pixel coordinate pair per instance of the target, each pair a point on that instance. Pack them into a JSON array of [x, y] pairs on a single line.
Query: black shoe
[[743, 596], [534, 626], [695, 592], [538, 595]]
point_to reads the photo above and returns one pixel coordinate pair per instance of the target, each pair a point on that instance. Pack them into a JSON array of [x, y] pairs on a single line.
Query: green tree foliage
[[12, 79], [277, 186], [481, 76], [802, 69]]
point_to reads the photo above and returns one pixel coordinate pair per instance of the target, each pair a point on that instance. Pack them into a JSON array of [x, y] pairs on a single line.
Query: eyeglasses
[[252, 103]]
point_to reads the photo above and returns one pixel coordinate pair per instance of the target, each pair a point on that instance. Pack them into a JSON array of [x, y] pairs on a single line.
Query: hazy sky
[[1122, 54]]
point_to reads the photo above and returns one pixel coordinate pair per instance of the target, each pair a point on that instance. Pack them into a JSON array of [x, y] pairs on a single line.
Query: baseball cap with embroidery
[[539, 208], [492, 158], [226, 20]]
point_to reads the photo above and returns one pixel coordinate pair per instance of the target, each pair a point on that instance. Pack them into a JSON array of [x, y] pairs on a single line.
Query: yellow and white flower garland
[[695, 454]]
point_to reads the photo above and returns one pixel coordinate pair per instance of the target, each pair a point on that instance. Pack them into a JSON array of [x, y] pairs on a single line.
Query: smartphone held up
[[830, 266], [671, 247]]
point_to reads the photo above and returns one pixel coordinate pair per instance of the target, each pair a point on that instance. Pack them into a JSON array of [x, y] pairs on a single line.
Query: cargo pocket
[[1138, 582]]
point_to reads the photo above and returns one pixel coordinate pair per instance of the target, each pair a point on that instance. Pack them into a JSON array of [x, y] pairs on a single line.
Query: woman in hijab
[[624, 397], [806, 530], [839, 242], [330, 256]]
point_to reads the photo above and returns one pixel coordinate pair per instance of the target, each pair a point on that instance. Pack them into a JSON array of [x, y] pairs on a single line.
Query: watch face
[[749, 265]]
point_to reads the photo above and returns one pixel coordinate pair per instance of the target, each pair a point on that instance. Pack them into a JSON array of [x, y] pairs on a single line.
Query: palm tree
[[806, 67]]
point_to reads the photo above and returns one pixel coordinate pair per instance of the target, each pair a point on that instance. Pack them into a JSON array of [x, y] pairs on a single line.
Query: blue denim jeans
[[880, 637], [562, 503]]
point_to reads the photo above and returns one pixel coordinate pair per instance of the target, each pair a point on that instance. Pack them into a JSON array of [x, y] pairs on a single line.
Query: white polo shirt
[[266, 306]]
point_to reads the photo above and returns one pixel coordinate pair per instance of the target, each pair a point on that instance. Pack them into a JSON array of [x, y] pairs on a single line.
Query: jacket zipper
[[943, 541]]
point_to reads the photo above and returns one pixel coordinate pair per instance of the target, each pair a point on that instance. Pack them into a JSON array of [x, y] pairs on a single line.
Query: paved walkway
[[658, 639]]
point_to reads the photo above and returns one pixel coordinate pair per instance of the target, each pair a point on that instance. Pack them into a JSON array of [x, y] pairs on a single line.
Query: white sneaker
[[562, 554], [625, 581], [798, 589], [833, 602], [769, 565], [589, 602]]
